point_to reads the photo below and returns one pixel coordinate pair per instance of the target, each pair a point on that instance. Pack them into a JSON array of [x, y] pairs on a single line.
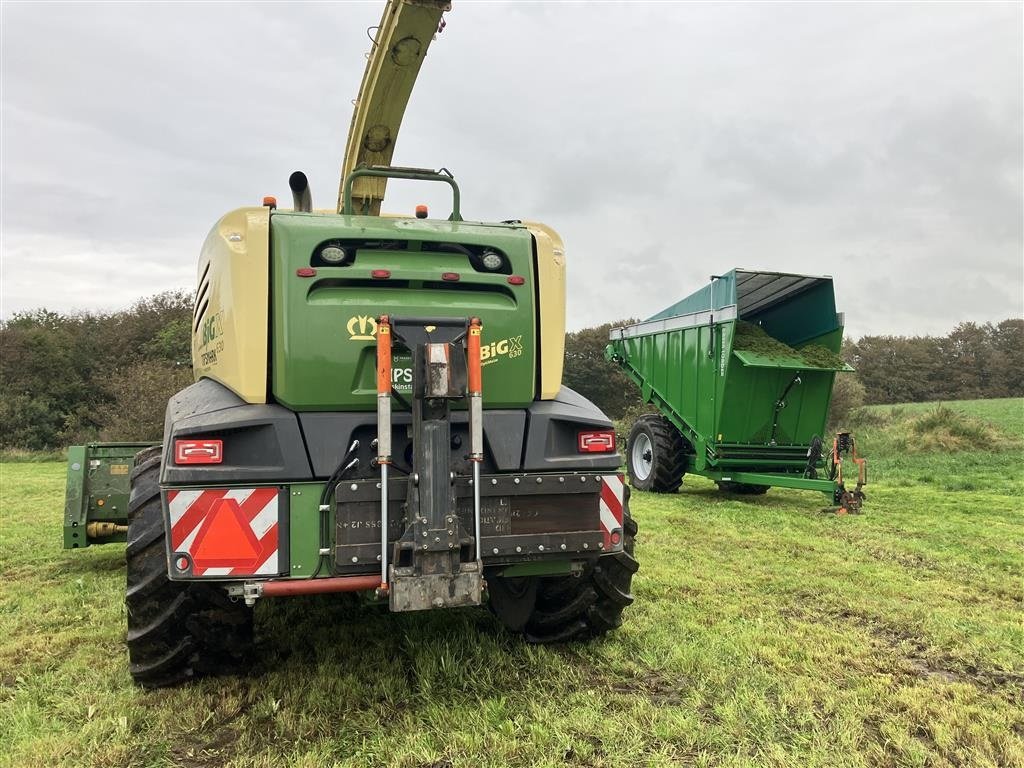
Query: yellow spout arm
[[393, 64]]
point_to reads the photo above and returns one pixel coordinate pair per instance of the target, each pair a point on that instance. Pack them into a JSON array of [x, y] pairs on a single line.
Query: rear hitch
[[435, 563]]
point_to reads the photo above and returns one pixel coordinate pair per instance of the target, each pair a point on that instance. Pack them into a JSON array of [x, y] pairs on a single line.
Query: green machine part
[[742, 411], [324, 324], [96, 500]]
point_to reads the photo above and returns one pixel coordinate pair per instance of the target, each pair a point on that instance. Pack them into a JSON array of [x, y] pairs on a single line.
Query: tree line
[[70, 378]]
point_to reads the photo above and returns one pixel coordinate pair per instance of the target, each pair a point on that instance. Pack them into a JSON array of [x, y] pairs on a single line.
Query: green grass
[[765, 632]]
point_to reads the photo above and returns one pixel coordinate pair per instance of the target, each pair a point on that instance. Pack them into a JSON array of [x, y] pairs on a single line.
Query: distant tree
[[847, 395], [600, 381], [969, 360], [63, 377], [138, 398], [1007, 361]]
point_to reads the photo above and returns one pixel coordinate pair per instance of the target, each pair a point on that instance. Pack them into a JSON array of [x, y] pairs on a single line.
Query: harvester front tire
[[176, 630], [571, 608], [655, 455]]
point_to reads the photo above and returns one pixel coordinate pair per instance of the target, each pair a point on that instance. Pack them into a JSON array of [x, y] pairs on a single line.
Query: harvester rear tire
[[667, 455], [176, 630], [572, 608]]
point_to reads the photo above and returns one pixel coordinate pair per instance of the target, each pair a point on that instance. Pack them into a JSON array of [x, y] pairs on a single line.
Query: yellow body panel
[[551, 300], [229, 330]]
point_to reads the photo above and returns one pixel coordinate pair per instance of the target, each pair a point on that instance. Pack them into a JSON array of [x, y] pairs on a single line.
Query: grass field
[[764, 633]]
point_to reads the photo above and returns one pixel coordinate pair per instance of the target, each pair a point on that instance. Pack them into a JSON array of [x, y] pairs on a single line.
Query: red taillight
[[516, 280], [305, 272], [380, 274], [596, 442], [451, 277], [198, 451]]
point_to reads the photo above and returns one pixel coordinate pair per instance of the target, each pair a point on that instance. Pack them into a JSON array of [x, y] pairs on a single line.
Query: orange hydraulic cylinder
[[475, 375], [383, 437], [384, 356]]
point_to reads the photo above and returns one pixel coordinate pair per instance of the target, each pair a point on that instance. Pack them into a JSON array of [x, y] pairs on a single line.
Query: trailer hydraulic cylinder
[[384, 436], [476, 427]]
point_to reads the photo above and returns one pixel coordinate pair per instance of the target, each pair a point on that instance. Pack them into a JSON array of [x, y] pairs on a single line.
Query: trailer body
[[746, 416]]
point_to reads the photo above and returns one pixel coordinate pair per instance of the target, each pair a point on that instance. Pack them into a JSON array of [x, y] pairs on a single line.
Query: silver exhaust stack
[[302, 199]]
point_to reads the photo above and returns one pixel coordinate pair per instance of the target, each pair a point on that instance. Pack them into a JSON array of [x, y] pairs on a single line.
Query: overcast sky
[[878, 143]]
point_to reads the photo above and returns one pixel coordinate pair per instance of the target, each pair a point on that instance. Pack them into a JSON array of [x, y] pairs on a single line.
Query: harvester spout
[[301, 196]]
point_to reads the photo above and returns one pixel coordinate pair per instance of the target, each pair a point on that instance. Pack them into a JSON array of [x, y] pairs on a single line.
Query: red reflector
[[226, 540], [381, 274], [596, 442], [305, 272], [198, 451], [616, 538], [516, 280], [451, 277]]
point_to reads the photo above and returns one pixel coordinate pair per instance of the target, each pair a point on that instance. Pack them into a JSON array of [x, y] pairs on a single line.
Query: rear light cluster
[[198, 451], [602, 441]]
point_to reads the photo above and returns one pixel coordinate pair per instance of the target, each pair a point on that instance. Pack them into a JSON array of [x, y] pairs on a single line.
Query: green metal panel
[[721, 289], [304, 528], [778, 480], [807, 316], [98, 485], [323, 326]]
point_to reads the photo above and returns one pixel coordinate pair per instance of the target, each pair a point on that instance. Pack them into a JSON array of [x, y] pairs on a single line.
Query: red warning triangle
[[226, 540]]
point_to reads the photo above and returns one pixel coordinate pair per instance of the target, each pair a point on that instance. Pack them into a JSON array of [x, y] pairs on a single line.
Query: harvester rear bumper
[[524, 517]]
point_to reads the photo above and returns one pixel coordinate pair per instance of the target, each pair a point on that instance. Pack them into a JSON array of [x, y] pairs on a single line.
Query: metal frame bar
[[677, 323], [413, 174], [776, 481]]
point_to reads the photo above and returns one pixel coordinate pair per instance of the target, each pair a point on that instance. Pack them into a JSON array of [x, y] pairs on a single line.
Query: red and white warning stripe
[[612, 491], [225, 532]]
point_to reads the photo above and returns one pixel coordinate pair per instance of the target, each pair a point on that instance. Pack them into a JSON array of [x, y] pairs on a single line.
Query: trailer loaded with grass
[[741, 374]]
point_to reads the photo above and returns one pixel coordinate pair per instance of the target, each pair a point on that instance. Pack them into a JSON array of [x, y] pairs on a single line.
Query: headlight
[[492, 261], [332, 254]]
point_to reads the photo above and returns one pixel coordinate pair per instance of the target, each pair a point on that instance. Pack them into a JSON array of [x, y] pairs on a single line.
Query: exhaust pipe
[[302, 199]]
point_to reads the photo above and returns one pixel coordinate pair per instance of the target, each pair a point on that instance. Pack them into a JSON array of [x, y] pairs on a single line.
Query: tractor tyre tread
[[176, 630], [590, 604], [669, 459]]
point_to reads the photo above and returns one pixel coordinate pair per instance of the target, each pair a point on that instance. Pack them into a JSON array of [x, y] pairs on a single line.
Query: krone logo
[[361, 328]]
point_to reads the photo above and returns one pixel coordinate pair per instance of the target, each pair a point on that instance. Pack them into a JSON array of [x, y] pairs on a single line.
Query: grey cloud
[[881, 143]]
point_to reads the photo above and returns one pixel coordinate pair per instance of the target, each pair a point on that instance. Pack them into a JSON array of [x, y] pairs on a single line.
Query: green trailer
[[741, 374]]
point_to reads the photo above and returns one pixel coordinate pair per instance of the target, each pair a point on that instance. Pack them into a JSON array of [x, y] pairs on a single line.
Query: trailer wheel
[[743, 489], [176, 630], [655, 455], [558, 609]]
